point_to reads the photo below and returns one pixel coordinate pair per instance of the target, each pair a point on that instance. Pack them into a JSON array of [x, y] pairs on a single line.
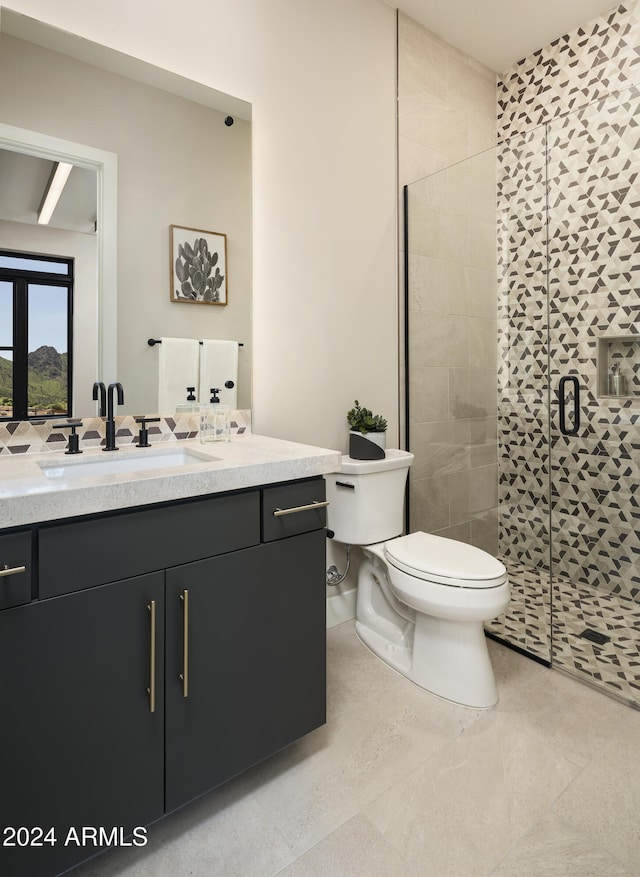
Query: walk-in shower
[[536, 456]]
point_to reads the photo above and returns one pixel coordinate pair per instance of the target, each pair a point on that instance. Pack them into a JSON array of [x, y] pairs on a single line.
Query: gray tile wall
[[446, 114]]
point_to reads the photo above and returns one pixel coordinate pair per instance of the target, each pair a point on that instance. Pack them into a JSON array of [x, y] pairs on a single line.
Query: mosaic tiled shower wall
[[594, 293], [589, 63], [523, 351], [569, 224]]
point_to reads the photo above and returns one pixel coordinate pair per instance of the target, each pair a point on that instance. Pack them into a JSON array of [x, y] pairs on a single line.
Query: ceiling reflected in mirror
[[25, 182]]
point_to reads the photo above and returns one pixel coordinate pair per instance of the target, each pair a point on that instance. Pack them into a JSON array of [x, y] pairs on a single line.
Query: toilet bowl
[[422, 599]]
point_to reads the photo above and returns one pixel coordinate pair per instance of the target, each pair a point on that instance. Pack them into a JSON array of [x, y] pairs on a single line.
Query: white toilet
[[422, 600]]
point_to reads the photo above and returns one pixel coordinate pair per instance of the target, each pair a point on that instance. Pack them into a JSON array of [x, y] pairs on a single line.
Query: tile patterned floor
[[551, 628], [399, 783], [526, 621], [615, 665]]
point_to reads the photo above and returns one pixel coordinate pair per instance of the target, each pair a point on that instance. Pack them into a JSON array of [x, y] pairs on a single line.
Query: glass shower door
[[567, 522], [523, 392], [594, 371]]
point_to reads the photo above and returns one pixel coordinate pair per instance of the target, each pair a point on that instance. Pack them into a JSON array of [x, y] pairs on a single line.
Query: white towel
[[177, 369], [219, 364]]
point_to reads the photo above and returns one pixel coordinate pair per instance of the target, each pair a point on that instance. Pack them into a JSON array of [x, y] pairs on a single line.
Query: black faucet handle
[[74, 439], [143, 436]]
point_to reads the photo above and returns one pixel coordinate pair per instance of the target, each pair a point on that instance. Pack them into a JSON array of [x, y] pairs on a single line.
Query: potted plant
[[367, 434]]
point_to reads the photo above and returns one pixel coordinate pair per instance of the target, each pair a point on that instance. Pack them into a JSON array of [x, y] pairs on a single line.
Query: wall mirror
[[163, 154]]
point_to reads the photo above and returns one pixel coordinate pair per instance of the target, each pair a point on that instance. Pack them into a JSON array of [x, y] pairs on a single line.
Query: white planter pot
[[367, 446]]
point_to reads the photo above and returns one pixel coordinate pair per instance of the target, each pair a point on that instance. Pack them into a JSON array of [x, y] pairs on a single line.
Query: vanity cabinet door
[[79, 745], [214, 690], [296, 638], [254, 656]]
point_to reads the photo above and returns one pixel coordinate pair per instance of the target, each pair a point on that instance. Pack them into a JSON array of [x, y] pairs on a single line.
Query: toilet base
[[448, 658], [451, 659], [393, 655]]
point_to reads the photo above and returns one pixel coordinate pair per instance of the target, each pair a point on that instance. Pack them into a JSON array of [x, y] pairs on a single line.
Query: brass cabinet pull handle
[[11, 571], [316, 504], [184, 676], [151, 690]]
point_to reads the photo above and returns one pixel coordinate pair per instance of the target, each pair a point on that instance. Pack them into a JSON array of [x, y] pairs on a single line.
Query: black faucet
[[99, 387], [110, 429]]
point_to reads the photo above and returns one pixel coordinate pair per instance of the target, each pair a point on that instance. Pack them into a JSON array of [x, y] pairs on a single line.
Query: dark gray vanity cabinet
[[15, 569], [251, 678], [79, 744], [165, 650], [106, 548]]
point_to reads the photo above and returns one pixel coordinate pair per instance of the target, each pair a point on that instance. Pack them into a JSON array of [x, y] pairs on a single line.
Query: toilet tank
[[366, 498]]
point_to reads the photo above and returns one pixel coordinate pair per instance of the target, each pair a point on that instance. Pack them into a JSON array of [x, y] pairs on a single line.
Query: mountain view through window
[[35, 336]]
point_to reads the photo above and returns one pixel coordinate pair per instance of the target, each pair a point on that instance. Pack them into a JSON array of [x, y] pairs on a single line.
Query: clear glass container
[[214, 423], [187, 407]]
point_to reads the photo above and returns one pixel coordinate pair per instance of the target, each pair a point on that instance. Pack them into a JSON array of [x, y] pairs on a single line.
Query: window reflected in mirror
[[36, 306]]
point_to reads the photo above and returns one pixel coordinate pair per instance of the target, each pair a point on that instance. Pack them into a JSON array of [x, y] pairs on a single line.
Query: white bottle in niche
[[214, 420], [617, 382]]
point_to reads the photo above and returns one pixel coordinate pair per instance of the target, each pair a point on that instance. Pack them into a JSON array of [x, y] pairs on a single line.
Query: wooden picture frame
[[198, 266]]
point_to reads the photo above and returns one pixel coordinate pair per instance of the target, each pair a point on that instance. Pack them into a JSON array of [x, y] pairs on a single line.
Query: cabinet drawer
[[105, 549], [292, 499], [15, 585]]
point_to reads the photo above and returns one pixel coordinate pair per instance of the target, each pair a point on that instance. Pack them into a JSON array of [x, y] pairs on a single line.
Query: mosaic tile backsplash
[[42, 436]]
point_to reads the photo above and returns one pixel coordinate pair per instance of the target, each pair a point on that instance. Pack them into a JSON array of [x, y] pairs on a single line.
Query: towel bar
[[153, 341]]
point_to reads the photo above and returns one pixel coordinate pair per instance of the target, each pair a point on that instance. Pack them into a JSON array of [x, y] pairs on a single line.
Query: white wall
[[321, 78]]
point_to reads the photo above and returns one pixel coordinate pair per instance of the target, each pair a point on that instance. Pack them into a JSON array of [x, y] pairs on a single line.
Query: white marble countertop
[[27, 495]]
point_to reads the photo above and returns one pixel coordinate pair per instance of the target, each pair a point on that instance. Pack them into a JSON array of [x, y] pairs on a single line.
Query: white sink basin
[[112, 463]]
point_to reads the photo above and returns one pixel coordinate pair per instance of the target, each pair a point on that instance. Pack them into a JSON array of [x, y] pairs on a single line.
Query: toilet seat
[[445, 561]]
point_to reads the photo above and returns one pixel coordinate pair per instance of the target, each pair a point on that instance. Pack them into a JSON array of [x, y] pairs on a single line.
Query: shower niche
[[619, 367]]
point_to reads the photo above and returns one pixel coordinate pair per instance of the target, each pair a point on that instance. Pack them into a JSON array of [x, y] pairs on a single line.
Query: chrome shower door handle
[[576, 405]]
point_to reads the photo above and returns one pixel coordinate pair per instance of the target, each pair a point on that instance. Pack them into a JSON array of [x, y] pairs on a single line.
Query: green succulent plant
[[363, 420], [194, 267]]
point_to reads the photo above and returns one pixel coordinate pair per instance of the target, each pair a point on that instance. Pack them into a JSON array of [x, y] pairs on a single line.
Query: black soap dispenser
[[190, 405]]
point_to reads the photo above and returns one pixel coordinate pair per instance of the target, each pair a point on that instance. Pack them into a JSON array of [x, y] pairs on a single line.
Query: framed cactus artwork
[[198, 266]]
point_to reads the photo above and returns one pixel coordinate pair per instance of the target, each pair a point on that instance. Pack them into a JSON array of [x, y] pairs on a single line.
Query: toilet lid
[[445, 561]]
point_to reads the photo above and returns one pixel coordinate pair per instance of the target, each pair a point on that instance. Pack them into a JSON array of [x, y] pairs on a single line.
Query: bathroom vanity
[[167, 632]]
